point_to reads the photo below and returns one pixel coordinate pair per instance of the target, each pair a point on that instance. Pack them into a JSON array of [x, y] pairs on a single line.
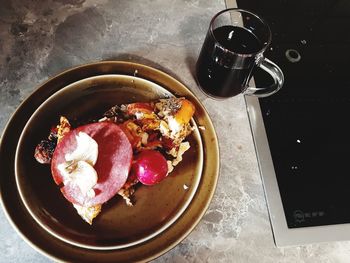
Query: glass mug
[[232, 50]]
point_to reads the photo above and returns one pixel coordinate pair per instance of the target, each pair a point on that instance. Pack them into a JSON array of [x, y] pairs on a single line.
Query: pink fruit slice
[[112, 166]]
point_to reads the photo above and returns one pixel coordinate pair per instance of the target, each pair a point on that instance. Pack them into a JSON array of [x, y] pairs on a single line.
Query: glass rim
[[240, 10]]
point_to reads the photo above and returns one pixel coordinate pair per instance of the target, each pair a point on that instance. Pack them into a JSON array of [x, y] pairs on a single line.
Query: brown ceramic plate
[[40, 238], [117, 226]]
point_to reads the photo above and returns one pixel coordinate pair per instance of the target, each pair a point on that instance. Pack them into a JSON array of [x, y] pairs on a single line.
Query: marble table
[[39, 39]]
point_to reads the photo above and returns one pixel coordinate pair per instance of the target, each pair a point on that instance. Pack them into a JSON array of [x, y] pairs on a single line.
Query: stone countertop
[[39, 39]]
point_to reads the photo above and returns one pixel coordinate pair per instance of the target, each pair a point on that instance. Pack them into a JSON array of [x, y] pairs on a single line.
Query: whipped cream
[[78, 167]]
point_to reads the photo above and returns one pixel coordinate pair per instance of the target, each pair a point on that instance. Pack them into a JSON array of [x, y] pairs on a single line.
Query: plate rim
[[109, 247], [101, 68]]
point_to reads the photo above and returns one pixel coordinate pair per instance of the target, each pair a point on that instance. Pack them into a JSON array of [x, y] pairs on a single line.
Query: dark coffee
[[220, 72]]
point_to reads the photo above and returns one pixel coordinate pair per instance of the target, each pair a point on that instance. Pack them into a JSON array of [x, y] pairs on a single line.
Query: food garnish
[[150, 167]]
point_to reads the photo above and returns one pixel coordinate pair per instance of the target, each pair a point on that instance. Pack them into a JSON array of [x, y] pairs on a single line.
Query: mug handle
[[278, 79]]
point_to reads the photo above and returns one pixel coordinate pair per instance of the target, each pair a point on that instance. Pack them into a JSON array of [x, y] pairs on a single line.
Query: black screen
[[307, 122]]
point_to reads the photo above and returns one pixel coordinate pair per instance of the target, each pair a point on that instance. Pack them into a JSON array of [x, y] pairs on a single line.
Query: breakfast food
[[137, 143]]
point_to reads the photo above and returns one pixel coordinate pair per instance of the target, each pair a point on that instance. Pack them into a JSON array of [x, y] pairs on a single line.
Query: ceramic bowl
[[118, 225]]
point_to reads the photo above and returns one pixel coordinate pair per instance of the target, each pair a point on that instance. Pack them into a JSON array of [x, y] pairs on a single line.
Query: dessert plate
[[153, 246], [117, 226]]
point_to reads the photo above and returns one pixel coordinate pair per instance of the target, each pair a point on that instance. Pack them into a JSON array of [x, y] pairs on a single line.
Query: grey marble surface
[[39, 39]]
